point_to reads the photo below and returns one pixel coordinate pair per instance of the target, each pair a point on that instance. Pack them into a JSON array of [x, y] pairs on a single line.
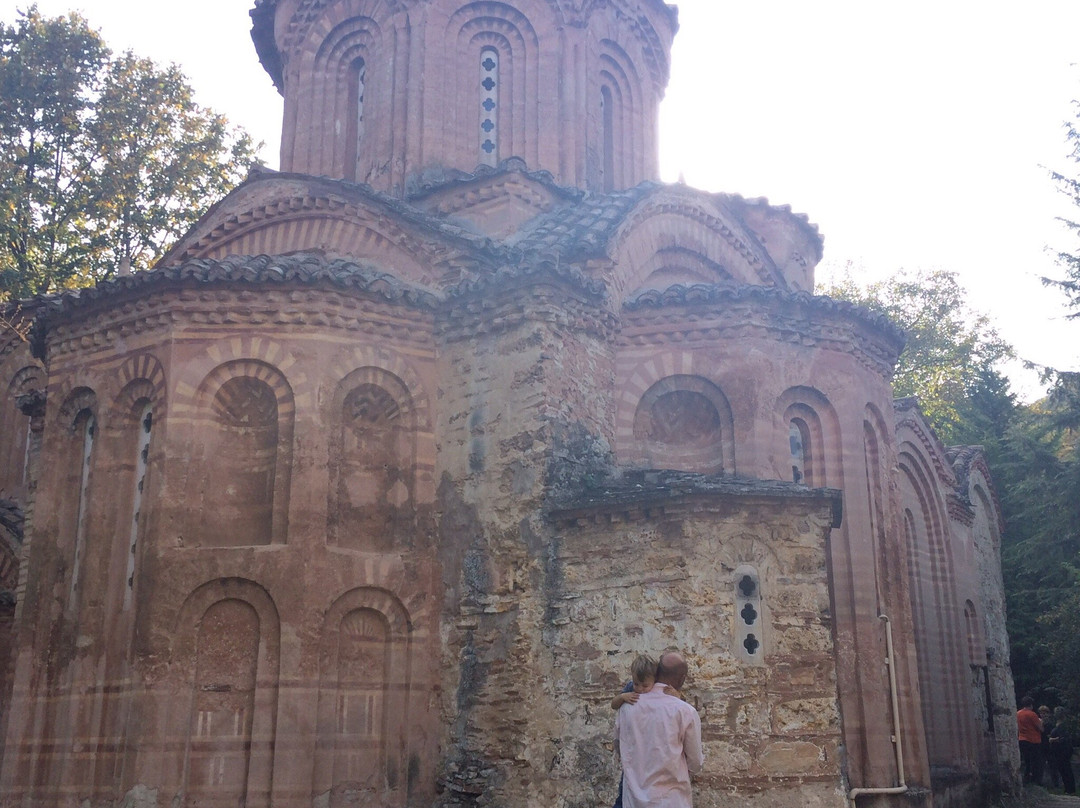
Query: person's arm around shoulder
[[624, 698], [629, 695], [692, 749]]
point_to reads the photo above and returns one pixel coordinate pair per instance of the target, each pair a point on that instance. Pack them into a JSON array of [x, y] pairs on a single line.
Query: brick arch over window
[[396, 365], [684, 264], [344, 55], [941, 653], [684, 422], [809, 412], [141, 378], [228, 640], [15, 430], [133, 415], [674, 226], [340, 229], [245, 421], [499, 26], [372, 462], [351, 96], [365, 679], [622, 134], [26, 379], [79, 400], [78, 422]]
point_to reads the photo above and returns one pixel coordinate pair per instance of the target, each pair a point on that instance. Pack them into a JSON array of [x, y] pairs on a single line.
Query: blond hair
[[643, 669]]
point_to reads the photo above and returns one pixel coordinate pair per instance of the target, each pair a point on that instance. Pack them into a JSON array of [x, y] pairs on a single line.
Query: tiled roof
[[582, 231], [531, 271], [711, 294], [303, 268], [641, 487], [465, 242], [438, 179]]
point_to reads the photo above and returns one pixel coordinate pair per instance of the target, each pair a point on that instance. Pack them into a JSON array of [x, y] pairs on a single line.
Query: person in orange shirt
[[1030, 728]]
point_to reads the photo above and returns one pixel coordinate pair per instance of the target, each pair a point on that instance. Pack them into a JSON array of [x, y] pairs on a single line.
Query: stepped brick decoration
[[370, 491]]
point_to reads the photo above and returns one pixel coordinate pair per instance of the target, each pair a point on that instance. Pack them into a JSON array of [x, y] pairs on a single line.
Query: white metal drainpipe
[[890, 660]]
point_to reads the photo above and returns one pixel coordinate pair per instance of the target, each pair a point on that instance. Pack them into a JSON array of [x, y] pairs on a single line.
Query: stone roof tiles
[[712, 294], [302, 267], [582, 231], [439, 179], [642, 487]]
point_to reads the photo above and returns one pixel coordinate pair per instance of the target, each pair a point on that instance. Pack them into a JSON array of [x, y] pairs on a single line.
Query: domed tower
[[378, 91]]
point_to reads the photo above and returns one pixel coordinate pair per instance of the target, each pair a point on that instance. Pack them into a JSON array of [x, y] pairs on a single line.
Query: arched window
[[489, 106], [363, 649], [145, 424], [371, 463], [799, 441], [85, 427], [223, 703], [355, 135], [607, 108], [246, 445], [748, 622], [684, 422]]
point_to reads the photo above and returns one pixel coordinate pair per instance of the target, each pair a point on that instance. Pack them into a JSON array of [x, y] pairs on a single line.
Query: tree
[[48, 74], [951, 352], [1042, 503], [1040, 490], [159, 161], [103, 161]]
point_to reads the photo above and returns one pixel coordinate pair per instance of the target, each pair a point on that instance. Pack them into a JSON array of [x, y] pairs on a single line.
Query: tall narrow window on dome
[[355, 134], [489, 106], [799, 440], [146, 421], [86, 427], [607, 105]]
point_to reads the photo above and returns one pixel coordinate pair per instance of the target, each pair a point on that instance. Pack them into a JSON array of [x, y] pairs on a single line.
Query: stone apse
[[369, 492]]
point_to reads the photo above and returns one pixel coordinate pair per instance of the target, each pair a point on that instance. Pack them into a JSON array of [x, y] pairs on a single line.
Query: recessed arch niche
[[684, 423]]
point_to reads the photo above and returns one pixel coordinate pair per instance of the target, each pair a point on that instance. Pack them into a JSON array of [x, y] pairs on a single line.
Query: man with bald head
[[659, 742]]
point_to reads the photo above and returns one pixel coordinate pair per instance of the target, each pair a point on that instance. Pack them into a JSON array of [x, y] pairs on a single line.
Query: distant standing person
[[1061, 750], [1046, 766], [658, 740], [1030, 729]]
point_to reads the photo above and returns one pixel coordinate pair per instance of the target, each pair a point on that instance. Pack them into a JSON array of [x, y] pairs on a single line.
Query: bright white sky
[[916, 134]]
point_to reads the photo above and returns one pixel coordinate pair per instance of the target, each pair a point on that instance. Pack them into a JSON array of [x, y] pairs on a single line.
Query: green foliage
[[1042, 559], [103, 160], [951, 351], [49, 70], [1040, 488]]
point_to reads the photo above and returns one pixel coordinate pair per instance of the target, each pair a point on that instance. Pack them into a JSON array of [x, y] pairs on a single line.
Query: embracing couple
[[657, 735]]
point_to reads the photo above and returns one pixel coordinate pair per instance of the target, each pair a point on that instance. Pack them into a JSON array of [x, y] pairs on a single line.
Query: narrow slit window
[[87, 427], [145, 425], [357, 82], [607, 106], [489, 106], [798, 442]]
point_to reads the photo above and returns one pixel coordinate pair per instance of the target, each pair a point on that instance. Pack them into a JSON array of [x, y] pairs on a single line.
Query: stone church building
[[370, 491]]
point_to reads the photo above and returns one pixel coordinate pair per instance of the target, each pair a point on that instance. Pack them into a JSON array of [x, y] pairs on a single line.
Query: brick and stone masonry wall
[[626, 579]]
